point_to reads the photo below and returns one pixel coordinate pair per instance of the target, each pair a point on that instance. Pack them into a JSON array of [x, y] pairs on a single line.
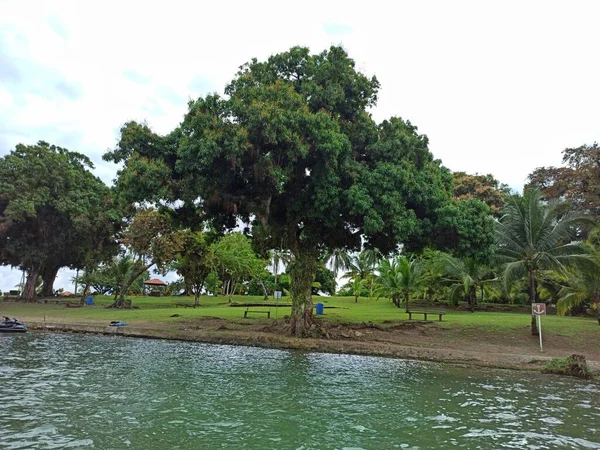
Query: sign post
[[539, 310]]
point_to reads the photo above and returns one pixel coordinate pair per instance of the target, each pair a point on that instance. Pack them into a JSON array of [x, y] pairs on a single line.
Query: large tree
[[292, 150], [535, 235], [53, 213], [577, 182]]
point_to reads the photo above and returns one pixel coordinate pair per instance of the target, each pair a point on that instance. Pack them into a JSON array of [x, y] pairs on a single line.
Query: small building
[[155, 287]]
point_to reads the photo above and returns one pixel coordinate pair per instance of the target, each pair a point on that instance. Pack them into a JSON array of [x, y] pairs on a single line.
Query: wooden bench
[[184, 305], [426, 313], [254, 311], [55, 302]]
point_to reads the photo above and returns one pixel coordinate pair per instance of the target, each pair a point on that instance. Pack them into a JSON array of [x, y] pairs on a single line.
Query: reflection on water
[[69, 391]]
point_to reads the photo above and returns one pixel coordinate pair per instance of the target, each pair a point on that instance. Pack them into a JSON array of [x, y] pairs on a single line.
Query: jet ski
[[12, 326]]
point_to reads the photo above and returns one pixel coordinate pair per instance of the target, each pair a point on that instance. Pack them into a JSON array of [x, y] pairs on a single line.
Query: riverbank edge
[[281, 342]]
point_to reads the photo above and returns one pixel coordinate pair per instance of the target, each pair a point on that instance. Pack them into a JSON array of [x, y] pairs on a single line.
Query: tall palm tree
[[398, 278], [534, 235], [338, 260], [465, 277]]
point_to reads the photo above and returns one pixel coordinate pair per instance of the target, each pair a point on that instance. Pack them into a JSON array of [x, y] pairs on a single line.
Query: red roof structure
[[155, 282]]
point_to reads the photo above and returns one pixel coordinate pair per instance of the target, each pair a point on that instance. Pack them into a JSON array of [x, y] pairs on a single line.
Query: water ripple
[[69, 391]]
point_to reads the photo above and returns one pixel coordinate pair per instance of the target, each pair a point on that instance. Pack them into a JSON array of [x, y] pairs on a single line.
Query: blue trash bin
[[89, 301], [320, 309]]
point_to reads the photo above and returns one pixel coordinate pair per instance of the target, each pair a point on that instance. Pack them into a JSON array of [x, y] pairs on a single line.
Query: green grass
[[159, 309]]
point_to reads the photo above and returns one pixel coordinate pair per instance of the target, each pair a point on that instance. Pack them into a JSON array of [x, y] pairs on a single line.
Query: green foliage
[[465, 277], [53, 213], [110, 276], [357, 286], [193, 262], [581, 286], [152, 242], [363, 264], [326, 281], [397, 278], [533, 235], [233, 258], [466, 229]]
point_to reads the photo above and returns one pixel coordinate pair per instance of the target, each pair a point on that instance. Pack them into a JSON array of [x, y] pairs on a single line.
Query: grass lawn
[[160, 309]]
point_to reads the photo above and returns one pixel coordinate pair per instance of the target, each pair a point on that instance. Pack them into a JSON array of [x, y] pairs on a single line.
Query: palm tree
[[357, 286], [583, 286], [363, 264], [398, 278], [465, 277], [337, 260], [535, 235]]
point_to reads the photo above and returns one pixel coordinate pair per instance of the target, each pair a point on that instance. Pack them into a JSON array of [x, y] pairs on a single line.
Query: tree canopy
[[578, 182], [292, 151], [483, 187], [53, 212]]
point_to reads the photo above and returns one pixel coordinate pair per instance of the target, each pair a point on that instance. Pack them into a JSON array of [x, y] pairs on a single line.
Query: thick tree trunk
[[48, 277], [532, 298], [302, 272], [197, 298], [28, 293], [405, 300]]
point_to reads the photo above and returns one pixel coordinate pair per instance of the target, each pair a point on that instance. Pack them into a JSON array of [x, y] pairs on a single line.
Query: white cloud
[[498, 87]]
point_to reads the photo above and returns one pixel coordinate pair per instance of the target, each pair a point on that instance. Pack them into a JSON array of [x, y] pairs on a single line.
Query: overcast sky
[[499, 87]]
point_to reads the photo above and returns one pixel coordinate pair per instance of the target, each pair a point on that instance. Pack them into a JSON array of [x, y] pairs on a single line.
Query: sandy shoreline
[[368, 347]]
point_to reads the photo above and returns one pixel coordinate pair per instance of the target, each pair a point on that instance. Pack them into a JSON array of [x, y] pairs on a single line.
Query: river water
[[84, 391]]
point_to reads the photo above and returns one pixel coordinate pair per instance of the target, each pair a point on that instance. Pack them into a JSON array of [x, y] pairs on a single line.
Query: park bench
[[426, 313], [184, 305], [255, 311]]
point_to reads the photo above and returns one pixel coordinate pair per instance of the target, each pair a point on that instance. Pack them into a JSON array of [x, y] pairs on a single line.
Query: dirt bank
[[414, 340]]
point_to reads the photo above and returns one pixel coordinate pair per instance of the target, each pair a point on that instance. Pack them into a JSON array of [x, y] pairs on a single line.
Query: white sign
[[538, 309], [277, 295]]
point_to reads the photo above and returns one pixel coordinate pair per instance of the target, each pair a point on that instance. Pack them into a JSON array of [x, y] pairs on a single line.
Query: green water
[[69, 391]]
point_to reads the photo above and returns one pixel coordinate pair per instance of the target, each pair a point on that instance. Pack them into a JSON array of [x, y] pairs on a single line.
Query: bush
[[574, 365]]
